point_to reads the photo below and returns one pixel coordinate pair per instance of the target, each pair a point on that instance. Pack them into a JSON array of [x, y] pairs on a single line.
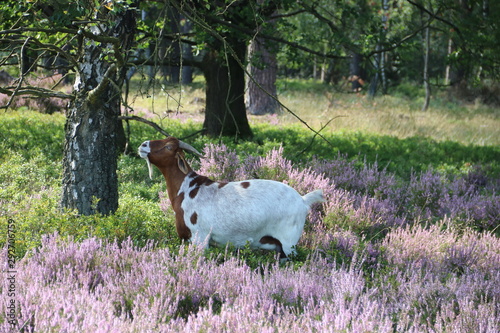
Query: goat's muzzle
[[144, 151]]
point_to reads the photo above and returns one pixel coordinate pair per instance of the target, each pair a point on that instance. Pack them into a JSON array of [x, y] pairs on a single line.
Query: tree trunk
[[356, 72], [427, 87], [90, 183], [447, 70], [187, 54], [264, 73], [93, 131], [225, 112], [372, 89]]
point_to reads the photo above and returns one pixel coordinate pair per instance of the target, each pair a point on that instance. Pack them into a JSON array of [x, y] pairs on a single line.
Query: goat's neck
[[174, 178]]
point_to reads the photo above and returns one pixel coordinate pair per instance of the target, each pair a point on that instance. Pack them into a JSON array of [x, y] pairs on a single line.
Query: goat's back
[[238, 212]]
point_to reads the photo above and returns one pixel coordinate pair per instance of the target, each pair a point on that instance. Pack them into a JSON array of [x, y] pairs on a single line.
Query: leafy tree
[[93, 41]]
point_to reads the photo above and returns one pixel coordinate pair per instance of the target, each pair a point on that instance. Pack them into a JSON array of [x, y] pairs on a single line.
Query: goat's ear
[[181, 162]]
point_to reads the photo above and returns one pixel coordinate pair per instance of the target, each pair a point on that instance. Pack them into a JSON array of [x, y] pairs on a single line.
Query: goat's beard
[[150, 168]]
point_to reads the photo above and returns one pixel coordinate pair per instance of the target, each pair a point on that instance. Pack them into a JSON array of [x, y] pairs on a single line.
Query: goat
[[268, 214]]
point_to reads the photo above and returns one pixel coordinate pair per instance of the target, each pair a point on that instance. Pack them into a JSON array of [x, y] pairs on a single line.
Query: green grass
[[30, 172], [389, 131], [398, 114]]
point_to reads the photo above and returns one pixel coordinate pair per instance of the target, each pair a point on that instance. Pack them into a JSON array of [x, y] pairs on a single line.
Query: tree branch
[[145, 121], [435, 16], [47, 31], [310, 9], [21, 79], [95, 93], [36, 91], [251, 33], [316, 134]]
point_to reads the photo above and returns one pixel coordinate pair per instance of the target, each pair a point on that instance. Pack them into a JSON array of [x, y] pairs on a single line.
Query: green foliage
[[30, 174], [31, 133], [408, 90], [401, 156], [255, 259], [303, 86], [360, 225]]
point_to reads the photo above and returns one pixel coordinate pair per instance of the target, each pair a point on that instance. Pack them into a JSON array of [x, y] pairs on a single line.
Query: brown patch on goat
[[245, 184], [194, 218], [194, 192], [222, 184], [274, 241], [182, 230], [197, 182], [200, 180]]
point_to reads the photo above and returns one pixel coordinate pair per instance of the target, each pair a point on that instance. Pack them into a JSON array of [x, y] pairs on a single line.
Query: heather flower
[[99, 286], [442, 250], [220, 163]]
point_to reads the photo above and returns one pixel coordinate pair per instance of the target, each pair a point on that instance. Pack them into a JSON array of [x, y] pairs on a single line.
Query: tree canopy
[[47, 35], [96, 45]]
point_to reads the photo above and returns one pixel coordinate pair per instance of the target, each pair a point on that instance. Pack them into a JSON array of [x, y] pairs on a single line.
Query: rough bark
[[90, 183], [93, 132], [225, 112], [264, 73], [427, 86]]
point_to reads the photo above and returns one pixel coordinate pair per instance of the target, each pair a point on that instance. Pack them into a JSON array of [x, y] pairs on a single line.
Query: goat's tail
[[313, 197]]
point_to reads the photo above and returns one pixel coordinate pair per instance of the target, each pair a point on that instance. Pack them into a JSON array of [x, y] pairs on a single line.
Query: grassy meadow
[[408, 240], [398, 114]]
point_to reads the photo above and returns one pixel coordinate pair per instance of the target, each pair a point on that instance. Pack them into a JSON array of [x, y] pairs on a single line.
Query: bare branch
[[21, 79], [308, 147], [145, 121], [48, 31], [279, 16], [86, 33], [35, 91]]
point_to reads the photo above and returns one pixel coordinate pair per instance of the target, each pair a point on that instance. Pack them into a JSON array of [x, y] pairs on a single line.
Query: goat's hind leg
[[278, 247]]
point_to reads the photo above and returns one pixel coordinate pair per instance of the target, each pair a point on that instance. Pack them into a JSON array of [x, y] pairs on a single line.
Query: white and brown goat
[[268, 214]]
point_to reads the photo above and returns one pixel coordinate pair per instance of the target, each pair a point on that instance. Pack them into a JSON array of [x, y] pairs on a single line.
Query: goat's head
[[166, 153]]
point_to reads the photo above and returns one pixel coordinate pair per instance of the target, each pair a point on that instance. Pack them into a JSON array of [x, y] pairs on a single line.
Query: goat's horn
[[190, 148]]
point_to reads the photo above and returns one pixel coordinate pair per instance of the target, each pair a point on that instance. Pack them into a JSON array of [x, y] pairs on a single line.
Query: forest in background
[[351, 45]]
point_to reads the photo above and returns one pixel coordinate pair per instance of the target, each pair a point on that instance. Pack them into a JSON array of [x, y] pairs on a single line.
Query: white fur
[[239, 215]]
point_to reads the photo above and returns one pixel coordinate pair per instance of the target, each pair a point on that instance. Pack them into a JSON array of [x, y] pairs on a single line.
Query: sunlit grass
[[159, 101], [395, 116], [316, 104]]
